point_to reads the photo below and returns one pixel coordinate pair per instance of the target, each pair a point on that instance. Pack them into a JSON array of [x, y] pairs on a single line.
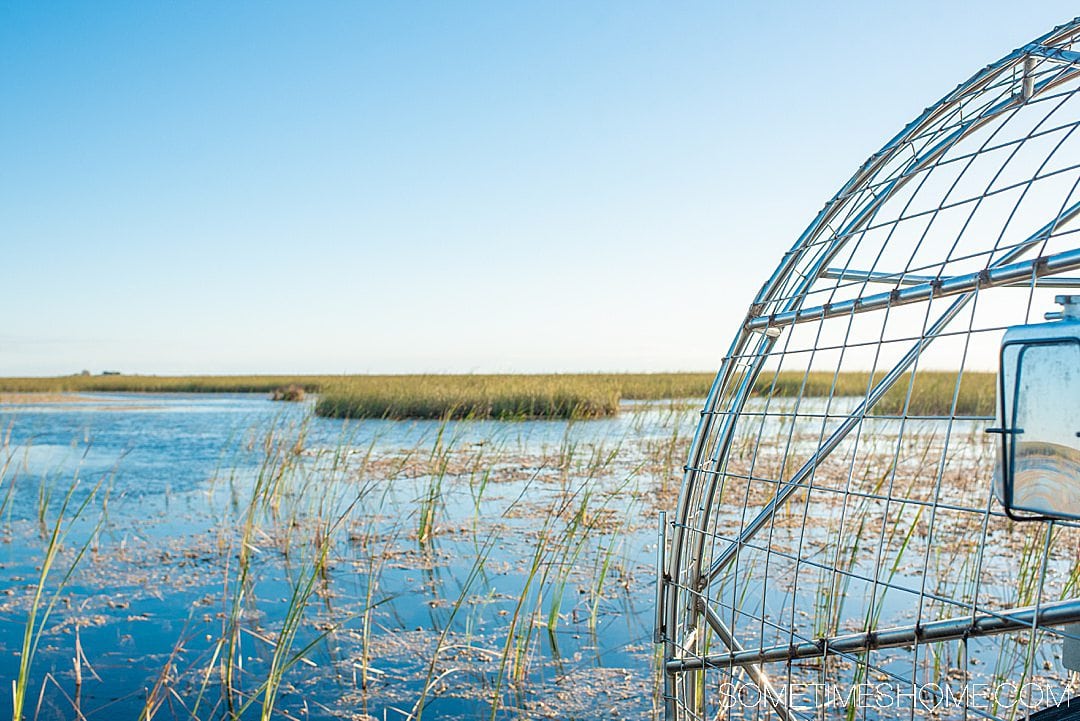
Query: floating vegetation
[[445, 569], [322, 569]]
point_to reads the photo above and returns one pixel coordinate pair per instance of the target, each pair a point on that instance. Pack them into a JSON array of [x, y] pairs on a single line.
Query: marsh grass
[[931, 394], [281, 447], [475, 572], [530, 536], [631, 386], [511, 396], [43, 603], [479, 396]]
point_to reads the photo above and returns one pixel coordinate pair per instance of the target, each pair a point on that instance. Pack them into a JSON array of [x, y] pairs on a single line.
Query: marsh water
[[224, 556], [467, 568]]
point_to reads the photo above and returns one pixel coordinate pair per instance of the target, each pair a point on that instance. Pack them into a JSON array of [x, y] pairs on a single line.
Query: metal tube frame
[[878, 276], [995, 275], [1060, 613], [669, 608]]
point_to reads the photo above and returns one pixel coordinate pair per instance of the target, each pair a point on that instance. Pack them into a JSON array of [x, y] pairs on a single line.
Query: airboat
[[880, 512]]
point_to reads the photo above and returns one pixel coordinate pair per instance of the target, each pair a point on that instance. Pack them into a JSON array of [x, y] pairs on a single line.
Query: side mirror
[[1038, 475]]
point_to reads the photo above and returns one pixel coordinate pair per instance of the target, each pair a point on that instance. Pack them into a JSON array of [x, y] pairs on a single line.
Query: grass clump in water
[[473, 396], [291, 393]]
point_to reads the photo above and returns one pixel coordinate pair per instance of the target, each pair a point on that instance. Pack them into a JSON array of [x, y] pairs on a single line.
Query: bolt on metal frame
[[968, 212]]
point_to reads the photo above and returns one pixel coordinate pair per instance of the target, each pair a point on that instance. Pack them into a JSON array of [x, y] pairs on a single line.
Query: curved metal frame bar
[[684, 578]]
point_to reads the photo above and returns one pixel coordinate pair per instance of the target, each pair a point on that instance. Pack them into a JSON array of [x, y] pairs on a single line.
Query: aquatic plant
[[500, 397], [42, 605], [512, 396], [321, 602], [292, 392]]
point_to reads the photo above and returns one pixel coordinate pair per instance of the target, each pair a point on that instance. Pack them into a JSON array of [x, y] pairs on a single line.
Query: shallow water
[[152, 599], [528, 594]]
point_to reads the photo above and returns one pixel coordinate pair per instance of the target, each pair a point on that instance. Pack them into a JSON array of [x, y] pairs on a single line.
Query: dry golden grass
[[585, 395]]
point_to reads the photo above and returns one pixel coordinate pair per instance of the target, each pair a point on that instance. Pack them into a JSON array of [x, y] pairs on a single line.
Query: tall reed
[[41, 607]]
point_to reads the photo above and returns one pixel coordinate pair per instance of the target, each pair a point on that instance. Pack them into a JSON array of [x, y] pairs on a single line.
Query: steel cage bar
[[684, 608]]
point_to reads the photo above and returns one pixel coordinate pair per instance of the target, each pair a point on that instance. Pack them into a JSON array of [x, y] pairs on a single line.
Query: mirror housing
[[1038, 414]]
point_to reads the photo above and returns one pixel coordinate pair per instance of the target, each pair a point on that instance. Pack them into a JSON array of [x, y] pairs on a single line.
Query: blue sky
[[207, 187]]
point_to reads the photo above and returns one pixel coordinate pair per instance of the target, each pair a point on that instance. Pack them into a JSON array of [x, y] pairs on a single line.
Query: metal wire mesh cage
[[839, 549]]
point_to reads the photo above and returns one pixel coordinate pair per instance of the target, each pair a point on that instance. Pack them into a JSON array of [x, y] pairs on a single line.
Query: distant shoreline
[[16, 398], [522, 396]]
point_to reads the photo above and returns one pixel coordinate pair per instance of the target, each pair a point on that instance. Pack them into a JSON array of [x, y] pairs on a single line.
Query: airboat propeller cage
[[837, 521], [1038, 475]]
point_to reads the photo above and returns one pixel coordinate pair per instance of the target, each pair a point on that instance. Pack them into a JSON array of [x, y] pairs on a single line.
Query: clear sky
[[204, 187]]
